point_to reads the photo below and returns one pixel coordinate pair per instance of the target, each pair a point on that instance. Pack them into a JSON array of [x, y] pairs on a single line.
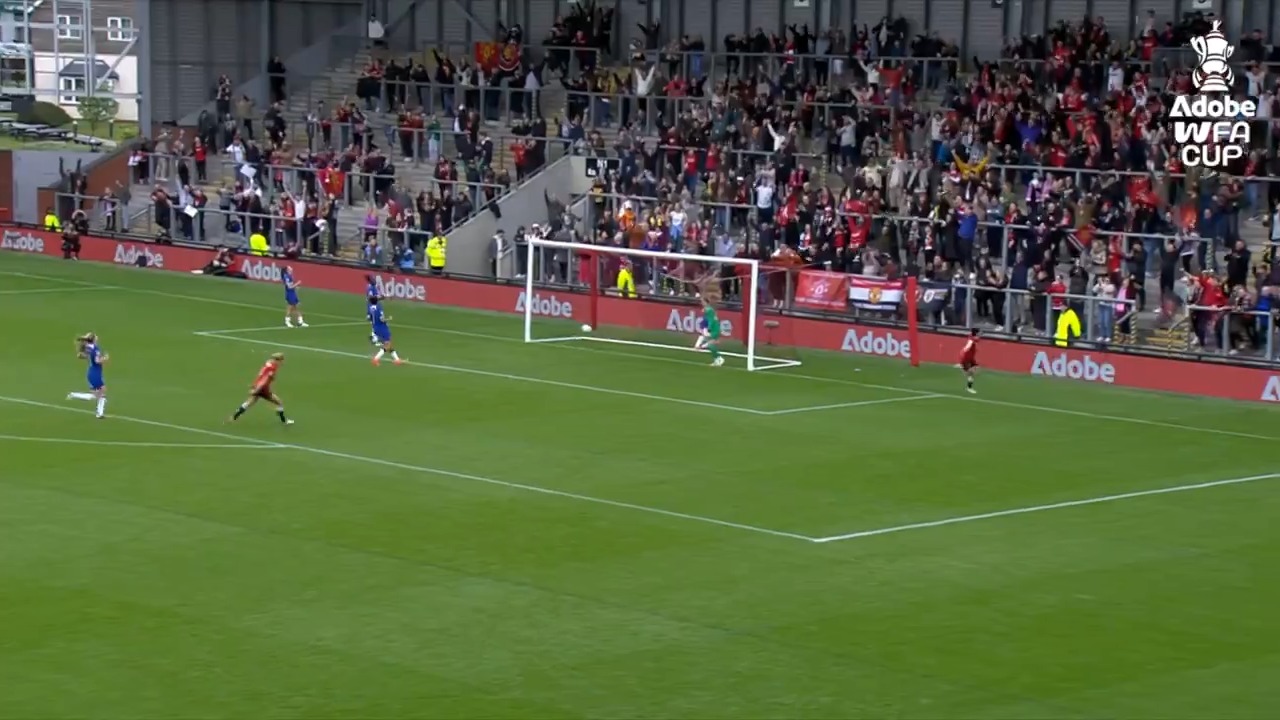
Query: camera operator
[[220, 266], [71, 233]]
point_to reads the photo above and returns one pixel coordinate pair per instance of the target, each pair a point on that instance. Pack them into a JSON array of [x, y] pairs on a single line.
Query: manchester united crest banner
[[821, 290], [871, 293]]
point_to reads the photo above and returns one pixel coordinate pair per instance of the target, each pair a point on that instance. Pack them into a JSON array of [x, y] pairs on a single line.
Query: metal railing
[[345, 227]]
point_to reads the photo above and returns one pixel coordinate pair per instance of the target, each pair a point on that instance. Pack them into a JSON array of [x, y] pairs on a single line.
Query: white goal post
[[591, 316]]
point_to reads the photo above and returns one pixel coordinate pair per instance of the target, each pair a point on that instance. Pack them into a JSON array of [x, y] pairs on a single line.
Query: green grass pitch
[[503, 530]]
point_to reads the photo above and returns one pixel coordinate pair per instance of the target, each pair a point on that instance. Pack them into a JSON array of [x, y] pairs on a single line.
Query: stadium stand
[[1015, 188]]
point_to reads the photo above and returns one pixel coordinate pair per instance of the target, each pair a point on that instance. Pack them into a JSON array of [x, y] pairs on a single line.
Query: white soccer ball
[[586, 328]]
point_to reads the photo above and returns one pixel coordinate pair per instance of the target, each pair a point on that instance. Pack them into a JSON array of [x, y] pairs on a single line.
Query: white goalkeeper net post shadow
[[747, 273]]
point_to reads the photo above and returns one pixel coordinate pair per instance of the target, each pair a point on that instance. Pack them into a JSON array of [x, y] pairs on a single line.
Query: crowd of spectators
[[247, 172], [1051, 173]]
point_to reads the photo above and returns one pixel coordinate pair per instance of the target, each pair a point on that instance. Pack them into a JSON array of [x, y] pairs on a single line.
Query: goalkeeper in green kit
[[710, 337]]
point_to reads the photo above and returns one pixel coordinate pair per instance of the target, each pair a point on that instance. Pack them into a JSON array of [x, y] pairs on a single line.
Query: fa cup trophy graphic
[[1213, 75]]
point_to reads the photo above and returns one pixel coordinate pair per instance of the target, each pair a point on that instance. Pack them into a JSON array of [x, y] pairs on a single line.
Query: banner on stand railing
[[822, 290], [491, 56], [871, 293], [933, 298]]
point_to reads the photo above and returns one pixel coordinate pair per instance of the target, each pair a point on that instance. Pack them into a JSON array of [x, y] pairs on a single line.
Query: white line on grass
[[492, 374], [435, 471], [215, 333], [1045, 508], [124, 443], [87, 288], [859, 403], [818, 378]]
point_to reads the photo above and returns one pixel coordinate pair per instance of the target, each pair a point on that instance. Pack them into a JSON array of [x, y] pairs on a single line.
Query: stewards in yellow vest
[[626, 281], [437, 250], [1068, 327], [258, 245], [51, 221]]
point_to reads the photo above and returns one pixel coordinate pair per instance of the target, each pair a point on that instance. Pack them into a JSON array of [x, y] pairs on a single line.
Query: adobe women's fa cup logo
[[1212, 74], [1212, 127]]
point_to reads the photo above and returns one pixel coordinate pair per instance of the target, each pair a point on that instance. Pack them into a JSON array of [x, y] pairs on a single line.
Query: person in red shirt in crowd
[[1057, 291]]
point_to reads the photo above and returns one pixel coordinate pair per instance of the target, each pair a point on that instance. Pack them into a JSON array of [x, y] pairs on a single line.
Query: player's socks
[[283, 419], [378, 357], [102, 407], [244, 407], [395, 356], [968, 385], [301, 322], [81, 396], [288, 322]]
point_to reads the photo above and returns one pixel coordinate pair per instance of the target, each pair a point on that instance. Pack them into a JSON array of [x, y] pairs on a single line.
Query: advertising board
[[1101, 367]]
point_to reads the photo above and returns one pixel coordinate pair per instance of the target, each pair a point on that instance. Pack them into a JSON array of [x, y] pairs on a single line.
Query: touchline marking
[[125, 443], [492, 374], [818, 378], [434, 471], [1045, 508], [858, 403]]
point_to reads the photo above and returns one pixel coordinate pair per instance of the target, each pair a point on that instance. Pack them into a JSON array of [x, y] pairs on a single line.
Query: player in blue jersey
[[292, 313], [382, 332], [87, 349], [372, 295]]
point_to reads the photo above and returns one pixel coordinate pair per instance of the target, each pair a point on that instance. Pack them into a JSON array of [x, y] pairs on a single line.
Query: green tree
[[97, 110]]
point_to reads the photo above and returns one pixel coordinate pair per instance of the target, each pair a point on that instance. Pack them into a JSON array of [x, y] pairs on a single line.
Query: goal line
[[633, 273]]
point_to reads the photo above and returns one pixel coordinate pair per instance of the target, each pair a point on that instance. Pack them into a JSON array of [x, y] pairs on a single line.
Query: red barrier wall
[[1113, 368]]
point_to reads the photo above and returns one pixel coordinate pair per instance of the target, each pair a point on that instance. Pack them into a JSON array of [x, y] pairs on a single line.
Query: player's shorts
[[96, 381], [383, 334], [291, 298], [968, 364], [264, 393]]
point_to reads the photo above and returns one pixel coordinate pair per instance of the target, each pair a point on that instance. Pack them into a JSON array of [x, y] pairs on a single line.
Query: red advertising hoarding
[[1094, 366]]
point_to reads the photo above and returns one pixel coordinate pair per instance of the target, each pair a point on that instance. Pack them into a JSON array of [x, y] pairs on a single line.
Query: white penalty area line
[[432, 471], [1201, 430], [231, 335], [125, 443], [1045, 508], [492, 374]]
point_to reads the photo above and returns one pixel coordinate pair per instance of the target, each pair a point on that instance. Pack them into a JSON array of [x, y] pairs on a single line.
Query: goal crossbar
[[750, 299]]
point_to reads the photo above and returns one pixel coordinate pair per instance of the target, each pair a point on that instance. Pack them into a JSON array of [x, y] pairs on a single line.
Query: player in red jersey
[[969, 360], [261, 390]]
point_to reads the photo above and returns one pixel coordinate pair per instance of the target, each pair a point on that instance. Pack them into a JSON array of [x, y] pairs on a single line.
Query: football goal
[[644, 298]]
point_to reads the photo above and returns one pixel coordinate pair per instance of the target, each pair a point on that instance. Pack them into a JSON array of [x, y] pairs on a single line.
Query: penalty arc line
[[1045, 508], [799, 376], [438, 472]]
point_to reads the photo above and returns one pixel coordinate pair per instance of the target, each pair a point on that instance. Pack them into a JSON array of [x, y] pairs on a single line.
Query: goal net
[[643, 298]]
